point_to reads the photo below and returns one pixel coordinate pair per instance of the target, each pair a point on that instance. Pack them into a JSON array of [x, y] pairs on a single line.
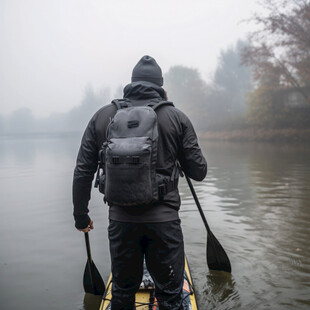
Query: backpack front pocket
[[128, 171]]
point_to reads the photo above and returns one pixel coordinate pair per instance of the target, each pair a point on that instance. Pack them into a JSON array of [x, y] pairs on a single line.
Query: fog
[[62, 60], [54, 52], [220, 103]]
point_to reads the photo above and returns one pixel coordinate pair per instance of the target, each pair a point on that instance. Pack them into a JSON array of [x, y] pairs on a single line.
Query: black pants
[[162, 246]]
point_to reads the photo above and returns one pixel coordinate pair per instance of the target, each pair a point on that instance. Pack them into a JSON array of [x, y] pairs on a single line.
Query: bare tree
[[281, 43]]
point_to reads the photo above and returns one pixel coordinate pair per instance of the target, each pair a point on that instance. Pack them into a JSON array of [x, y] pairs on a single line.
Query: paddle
[[92, 281], [217, 258]]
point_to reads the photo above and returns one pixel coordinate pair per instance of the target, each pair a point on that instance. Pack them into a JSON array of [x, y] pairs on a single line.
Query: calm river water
[[256, 198]]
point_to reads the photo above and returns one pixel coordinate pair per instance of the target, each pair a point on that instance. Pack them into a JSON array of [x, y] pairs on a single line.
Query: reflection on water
[[221, 290], [255, 197], [256, 200], [91, 302]]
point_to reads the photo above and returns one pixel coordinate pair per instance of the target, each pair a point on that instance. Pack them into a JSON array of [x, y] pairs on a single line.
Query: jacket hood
[[143, 90]]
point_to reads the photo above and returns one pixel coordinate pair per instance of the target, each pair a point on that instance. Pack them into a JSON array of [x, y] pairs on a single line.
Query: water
[[255, 197]]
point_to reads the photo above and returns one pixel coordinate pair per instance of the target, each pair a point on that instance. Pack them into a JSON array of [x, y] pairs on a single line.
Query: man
[[153, 231]]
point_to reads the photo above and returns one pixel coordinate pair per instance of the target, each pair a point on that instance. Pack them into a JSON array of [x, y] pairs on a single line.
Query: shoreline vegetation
[[258, 134], [284, 135]]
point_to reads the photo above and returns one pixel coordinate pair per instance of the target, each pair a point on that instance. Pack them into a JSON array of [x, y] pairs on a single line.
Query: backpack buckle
[[115, 160], [162, 190], [101, 158], [135, 160]]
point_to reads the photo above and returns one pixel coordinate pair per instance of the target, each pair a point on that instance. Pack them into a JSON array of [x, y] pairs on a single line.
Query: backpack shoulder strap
[[122, 103], [157, 105]]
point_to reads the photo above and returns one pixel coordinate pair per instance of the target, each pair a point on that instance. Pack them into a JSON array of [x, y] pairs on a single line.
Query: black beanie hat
[[147, 69]]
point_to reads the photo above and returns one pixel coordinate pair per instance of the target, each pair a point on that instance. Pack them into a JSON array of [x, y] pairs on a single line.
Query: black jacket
[[177, 141]]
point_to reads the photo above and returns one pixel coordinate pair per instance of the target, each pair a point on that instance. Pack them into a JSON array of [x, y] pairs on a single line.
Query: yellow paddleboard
[[145, 296]]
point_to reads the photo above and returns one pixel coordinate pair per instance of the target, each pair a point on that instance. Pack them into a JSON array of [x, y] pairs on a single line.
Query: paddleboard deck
[[145, 297]]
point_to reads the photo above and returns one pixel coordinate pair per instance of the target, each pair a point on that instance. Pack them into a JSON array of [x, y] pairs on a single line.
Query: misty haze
[[238, 69], [218, 104]]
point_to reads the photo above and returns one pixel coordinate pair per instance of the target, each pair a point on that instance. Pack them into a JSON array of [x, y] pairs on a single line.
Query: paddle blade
[[217, 258], [92, 281]]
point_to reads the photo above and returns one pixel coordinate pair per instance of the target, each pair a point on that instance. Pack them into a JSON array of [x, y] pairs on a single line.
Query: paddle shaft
[[210, 234], [90, 261]]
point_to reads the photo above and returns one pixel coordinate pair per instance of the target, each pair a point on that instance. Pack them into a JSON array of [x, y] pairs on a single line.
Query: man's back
[[177, 141], [152, 232]]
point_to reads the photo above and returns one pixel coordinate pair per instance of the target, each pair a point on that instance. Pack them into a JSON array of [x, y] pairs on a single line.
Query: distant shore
[[242, 135], [260, 134]]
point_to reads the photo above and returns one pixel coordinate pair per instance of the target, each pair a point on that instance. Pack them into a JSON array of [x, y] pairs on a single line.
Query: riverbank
[[260, 134]]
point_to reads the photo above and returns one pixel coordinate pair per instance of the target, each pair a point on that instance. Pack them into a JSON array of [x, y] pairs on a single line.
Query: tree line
[[279, 54], [76, 119], [263, 82], [206, 104]]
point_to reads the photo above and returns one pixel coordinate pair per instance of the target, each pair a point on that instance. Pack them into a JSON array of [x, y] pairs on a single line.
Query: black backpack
[[127, 160]]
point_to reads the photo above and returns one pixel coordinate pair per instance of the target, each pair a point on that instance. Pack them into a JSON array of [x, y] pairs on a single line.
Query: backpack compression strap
[[172, 183], [157, 105], [121, 103]]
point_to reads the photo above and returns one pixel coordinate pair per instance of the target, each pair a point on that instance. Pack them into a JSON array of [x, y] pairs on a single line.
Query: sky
[[52, 50]]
